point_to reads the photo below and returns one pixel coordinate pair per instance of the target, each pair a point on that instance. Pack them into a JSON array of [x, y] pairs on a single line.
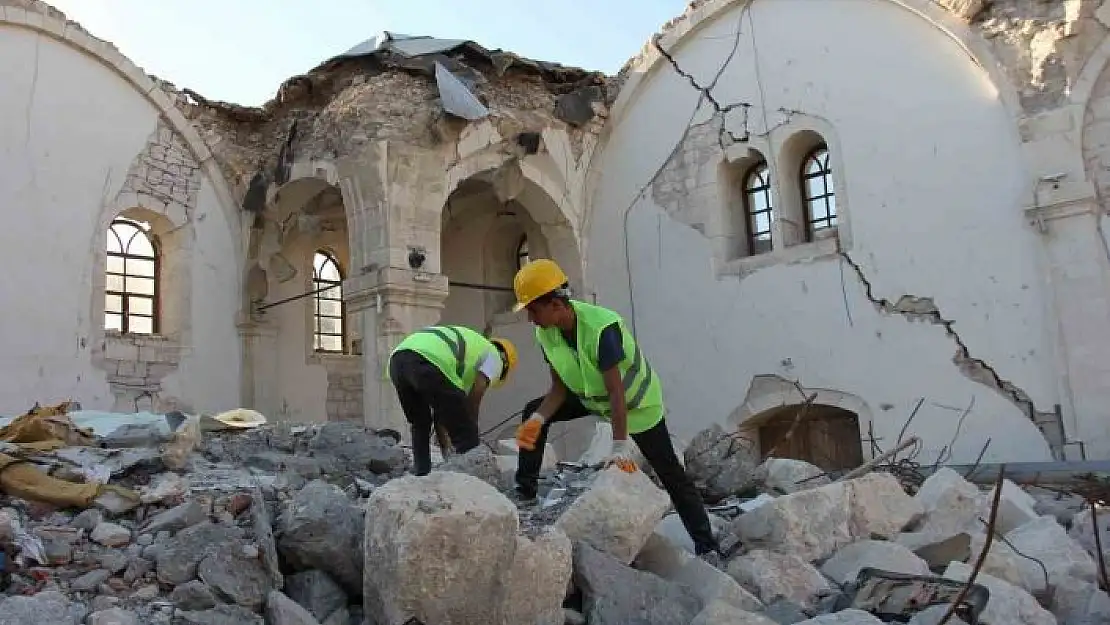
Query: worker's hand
[[621, 456], [529, 432]]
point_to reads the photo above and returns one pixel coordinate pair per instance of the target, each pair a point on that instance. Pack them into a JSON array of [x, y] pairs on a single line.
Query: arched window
[[131, 279], [327, 317], [818, 193], [522, 255], [757, 205]]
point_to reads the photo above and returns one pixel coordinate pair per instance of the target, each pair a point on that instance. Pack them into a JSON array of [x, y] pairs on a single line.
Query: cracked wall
[[67, 171], [921, 225]]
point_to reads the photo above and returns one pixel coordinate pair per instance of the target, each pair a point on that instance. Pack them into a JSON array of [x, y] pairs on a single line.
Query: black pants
[[428, 398], [655, 444]]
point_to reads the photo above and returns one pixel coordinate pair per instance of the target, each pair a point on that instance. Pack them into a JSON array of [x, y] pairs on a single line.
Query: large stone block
[[615, 593], [790, 476], [880, 507], [811, 524], [438, 549], [773, 576], [673, 563], [951, 504], [721, 613], [537, 583], [1047, 541], [1008, 604], [846, 563], [322, 529], [617, 514]]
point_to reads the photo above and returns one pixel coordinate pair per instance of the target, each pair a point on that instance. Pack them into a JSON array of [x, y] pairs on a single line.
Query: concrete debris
[[721, 464], [617, 514], [325, 525]]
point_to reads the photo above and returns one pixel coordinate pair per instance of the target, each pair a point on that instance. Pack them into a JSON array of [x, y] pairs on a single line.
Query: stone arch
[[649, 60], [772, 398], [540, 194], [51, 23]]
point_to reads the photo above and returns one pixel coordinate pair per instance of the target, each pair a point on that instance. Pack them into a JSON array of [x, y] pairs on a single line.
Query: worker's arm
[[477, 392], [618, 410], [529, 431]]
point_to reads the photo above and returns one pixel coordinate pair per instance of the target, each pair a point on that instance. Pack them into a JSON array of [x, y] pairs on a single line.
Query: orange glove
[[621, 456], [529, 432]]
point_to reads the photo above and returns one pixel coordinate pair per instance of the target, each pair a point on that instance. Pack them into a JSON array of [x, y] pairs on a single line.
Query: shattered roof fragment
[[456, 98]]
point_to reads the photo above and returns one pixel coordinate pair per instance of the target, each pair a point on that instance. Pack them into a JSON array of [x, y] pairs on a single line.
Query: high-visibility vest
[[643, 392], [454, 350]]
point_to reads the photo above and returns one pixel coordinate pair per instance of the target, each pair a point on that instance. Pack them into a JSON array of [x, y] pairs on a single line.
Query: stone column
[[390, 304], [260, 369]]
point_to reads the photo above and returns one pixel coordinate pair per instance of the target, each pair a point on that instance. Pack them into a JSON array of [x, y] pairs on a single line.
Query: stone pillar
[[260, 367], [390, 304]]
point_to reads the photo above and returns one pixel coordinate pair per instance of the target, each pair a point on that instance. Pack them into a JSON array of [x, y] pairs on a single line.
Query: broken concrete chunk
[[951, 504], [219, 615], [773, 576], [536, 584], [281, 610], [937, 550], [235, 579], [264, 535], [1004, 563], [721, 613], [358, 448], [674, 564], [113, 616], [617, 514], [811, 524], [932, 615], [322, 529], [110, 535], [452, 526], [1015, 507], [846, 563], [194, 595], [478, 462], [787, 475], [844, 617], [1044, 539], [45, 607], [1008, 604], [317, 592], [177, 518], [1083, 531], [616, 593], [721, 464], [177, 560], [880, 506], [1076, 600]]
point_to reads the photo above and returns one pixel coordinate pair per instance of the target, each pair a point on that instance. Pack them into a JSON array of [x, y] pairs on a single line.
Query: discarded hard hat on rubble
[[238, 418]]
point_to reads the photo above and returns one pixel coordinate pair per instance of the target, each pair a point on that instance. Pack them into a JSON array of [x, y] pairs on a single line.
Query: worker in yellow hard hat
[[598, 368], [440, 374]]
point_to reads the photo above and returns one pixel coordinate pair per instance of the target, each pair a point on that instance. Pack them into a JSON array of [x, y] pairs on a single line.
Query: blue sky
[[241, 50]]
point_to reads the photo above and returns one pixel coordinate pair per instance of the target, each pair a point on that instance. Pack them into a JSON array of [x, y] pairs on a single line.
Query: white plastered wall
[[65, 169], [931, 191]]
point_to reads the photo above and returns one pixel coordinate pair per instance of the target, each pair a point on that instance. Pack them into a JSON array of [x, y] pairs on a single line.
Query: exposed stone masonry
[[165, 170], [136, 365], [344, 396]]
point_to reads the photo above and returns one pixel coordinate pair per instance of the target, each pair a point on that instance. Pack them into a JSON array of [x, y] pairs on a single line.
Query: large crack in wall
[[920, 308]]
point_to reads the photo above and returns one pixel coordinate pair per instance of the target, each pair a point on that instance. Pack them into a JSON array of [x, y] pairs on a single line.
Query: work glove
[[621, 456], [529, 432]]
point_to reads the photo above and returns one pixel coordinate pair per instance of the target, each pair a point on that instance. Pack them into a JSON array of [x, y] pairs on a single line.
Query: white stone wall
[[81, 144], [941, 293]]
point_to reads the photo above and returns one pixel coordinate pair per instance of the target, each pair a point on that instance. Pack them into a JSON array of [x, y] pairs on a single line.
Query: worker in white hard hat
[[441, 374], [598, 368]]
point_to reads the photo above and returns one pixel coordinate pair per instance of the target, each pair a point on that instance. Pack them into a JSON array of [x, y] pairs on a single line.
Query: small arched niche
[[826, 436]]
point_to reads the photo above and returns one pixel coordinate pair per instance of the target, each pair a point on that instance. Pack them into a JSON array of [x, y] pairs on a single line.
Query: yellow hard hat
[[536, 279], [510, 358]]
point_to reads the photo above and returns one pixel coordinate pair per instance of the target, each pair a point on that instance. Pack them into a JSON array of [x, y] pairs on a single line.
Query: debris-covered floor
[[165, 522]]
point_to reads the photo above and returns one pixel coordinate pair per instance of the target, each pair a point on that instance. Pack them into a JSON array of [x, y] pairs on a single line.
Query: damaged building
[[873, 208]]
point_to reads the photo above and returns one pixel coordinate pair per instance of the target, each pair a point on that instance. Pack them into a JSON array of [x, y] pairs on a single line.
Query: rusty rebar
[[983, 553]]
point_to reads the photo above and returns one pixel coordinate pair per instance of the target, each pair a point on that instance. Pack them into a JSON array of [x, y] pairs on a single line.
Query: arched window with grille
[[328, 327], [757, 206], [131, 279], [818, 192]]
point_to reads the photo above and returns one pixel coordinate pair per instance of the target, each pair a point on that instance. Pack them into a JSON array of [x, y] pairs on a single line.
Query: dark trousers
[[655, 445], [428, 398]]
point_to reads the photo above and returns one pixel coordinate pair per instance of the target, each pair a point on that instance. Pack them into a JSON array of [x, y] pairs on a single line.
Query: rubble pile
[[323, 525]]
